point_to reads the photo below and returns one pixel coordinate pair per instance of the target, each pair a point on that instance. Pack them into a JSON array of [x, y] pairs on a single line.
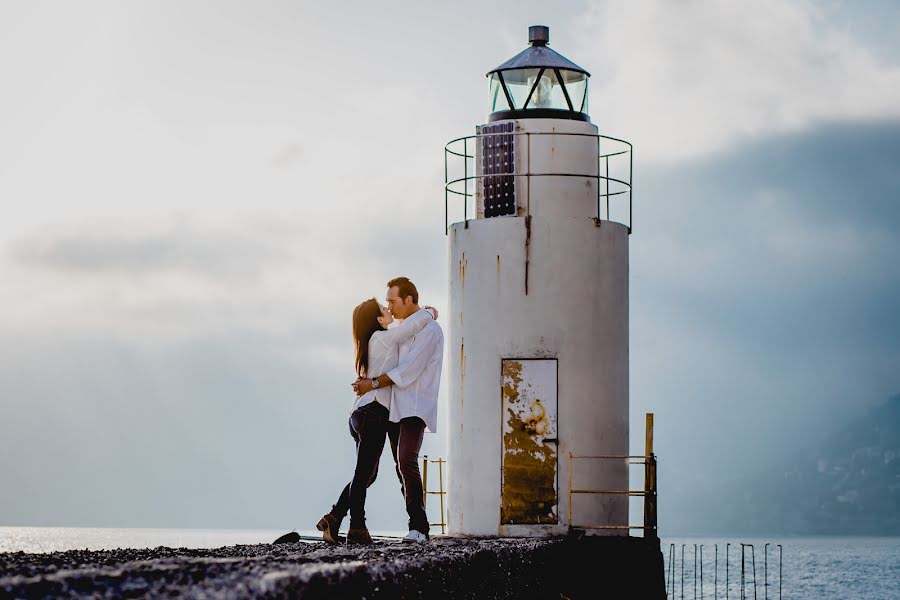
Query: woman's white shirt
[[384, 353]]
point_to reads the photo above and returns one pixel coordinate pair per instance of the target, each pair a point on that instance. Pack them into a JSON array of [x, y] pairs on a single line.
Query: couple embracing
[[399, 352]]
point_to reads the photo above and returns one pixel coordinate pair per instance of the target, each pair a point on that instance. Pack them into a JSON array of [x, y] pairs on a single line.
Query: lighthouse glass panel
[[519, 83], [535, 89], [576, 85], [497, 95]]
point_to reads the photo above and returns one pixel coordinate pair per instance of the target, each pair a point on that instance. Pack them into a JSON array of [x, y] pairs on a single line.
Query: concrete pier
[[595, 567]]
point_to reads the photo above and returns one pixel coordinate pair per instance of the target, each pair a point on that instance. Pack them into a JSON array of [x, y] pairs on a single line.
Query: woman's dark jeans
[[368, 426]]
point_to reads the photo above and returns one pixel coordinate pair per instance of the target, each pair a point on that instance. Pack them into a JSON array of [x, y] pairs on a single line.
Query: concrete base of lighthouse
[[538, 375]]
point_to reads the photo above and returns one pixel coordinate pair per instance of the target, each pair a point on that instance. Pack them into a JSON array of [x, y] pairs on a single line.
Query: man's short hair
[[405, 288]]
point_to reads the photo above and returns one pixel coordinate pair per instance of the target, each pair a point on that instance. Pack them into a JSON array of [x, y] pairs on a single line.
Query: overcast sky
[[194, 195]]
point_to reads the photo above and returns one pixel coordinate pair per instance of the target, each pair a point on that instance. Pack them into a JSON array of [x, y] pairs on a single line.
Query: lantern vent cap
[[538, 55]]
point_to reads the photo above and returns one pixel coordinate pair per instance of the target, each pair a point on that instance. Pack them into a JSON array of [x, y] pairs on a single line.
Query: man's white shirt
[[384, 354], [417, 377]]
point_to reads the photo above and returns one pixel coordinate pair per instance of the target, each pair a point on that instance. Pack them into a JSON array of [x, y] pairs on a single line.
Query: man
[[415, 384]]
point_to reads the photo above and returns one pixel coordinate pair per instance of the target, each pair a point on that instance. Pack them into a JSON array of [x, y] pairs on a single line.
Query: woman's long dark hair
[[365, 323]]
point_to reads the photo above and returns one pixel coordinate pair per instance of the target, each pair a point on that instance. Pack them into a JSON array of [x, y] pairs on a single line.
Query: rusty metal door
[[529, 491]]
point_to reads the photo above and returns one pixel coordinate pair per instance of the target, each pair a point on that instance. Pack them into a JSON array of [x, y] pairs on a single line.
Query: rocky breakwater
[[445, 568]]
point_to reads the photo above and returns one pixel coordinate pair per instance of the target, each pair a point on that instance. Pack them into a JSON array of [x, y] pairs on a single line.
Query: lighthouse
[[538, 332]]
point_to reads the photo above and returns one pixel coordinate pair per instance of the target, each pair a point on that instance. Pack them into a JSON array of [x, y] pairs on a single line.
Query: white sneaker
[[416, 537]]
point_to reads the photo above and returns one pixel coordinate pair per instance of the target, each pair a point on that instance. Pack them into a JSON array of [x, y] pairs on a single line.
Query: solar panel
[[498, 154]]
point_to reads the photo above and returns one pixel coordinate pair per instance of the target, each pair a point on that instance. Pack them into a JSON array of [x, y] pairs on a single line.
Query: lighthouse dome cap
[[538, 55]]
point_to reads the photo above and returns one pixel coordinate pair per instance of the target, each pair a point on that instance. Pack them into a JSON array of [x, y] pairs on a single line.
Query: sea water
[[811, 568], [55, 539], [807, 568]]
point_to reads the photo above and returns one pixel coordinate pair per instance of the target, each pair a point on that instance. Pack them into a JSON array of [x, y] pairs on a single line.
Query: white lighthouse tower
[[538, 333]]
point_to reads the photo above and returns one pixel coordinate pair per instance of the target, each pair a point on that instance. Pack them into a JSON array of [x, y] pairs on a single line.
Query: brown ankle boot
[[329, 526], [359, 536]]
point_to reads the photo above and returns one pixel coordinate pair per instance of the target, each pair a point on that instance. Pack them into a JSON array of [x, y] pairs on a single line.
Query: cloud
[[764, 292], [165, 280], [684, 80], [289, 155], [135, 251]]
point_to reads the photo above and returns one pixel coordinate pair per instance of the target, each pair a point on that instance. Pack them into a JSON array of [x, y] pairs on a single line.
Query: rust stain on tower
[[529, 486]]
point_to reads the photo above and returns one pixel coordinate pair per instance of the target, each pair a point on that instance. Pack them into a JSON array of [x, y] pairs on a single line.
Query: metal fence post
[[571, 518], [650, 519], [701, 571], [779, 571], [716, 584], [425, 480], [441, 492], [446, 195], [466, 189], [742, 571], [727, 548]]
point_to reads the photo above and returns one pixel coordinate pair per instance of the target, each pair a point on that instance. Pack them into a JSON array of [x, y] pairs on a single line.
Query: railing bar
[[569, 465], [470, 195], [629, 492], [446, 196], [458, 154], [610, 456], [425, 482], [598, 181], [585, 175], [466, 173], [608, 217], [695, 572], [727, 580], [560, 133], [753, 556], [630, 202], [458, 193], [607, 527], [441, 483], [779, 571], [672, 568]]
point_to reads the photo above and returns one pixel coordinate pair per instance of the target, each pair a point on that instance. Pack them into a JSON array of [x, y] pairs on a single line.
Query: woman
[[377, 352]]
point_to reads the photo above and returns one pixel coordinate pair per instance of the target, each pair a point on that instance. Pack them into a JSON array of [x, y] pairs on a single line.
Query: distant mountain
[[848, 484]]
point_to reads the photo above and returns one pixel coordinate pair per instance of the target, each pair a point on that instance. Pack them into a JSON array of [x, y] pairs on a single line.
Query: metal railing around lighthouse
[[649, 527], [440, 492], [747, 584], [648, 460], [614, 173]]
